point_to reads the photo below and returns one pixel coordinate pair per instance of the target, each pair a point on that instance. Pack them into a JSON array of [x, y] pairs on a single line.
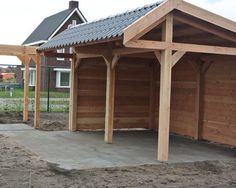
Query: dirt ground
[[48, 121], [21, 168]]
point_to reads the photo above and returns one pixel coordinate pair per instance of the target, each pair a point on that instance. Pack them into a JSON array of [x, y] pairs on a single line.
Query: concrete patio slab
[[83, 150]]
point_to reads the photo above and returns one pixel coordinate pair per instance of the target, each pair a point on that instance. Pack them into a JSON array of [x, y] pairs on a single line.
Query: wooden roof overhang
[[166, 33]]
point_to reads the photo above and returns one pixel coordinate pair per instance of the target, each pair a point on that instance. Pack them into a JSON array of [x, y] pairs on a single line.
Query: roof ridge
[[121, 14]]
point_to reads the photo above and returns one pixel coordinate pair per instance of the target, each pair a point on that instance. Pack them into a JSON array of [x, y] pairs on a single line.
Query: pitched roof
[[108, 28], [48, 26]]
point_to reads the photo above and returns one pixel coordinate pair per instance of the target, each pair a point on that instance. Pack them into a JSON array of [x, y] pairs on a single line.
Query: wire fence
[[12, 91]]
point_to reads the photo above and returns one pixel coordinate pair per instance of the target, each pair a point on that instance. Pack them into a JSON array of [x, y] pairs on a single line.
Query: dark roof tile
[[48, 26], [107, 28]]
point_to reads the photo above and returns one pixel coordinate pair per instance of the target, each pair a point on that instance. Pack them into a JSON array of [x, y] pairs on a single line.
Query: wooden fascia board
[[207, 16], [150, 20], [158, 45]]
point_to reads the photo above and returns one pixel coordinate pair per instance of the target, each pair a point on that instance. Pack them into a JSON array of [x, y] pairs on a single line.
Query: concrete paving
[[83, 150]]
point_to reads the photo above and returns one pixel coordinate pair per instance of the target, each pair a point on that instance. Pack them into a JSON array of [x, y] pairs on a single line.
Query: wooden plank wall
[[183, 111], [219, 117], [132, 97], [131, 94], [91, 94]]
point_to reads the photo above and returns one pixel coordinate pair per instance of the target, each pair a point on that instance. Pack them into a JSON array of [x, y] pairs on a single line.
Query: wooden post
[[73, 94], [37, 92], [110, 98], [26, 89], [165, 92]]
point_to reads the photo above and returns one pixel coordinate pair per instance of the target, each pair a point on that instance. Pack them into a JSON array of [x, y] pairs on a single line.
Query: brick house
[[55, 71]]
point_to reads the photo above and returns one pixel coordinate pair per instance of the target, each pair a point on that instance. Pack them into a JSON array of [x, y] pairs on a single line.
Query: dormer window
[[74, 22]]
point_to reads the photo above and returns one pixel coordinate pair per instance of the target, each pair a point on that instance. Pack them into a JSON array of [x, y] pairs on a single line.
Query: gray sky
[[19, 18]]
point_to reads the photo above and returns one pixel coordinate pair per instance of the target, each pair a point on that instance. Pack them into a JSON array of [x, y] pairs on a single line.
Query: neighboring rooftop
[[108, 28], [49, 25]]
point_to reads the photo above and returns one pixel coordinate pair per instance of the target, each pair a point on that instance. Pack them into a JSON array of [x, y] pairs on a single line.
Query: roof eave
[[82, 44]]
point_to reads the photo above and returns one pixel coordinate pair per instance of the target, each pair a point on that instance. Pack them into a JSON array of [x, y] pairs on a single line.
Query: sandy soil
[[21, 168], [48, 122]]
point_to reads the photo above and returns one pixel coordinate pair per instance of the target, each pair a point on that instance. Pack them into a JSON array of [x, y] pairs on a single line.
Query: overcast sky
[[18, 18]]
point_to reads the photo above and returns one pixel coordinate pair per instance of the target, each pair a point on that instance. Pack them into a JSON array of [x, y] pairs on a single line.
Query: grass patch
[[19, 93]]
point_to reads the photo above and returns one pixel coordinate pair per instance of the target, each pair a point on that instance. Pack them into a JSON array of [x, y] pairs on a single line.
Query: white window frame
[[32, 75], [58, 77], [62, 50]]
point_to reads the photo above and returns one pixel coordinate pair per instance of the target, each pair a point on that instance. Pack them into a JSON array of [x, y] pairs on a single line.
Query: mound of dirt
[[53, 126], [11, 117], [48, 121]]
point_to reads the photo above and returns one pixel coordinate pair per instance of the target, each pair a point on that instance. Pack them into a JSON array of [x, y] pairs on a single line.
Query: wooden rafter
[[151, 20], [207, 16], [204, 26]]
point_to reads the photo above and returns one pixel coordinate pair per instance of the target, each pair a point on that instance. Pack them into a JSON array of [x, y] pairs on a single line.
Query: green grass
[[19, 93]]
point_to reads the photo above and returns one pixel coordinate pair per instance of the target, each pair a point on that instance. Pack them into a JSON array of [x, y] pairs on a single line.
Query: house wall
[[51, 62], [132, 92]]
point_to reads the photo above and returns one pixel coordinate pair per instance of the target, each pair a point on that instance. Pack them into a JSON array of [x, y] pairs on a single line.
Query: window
[[32, 78], [74, 22], [32, 75], [62, 78], [61, 51]]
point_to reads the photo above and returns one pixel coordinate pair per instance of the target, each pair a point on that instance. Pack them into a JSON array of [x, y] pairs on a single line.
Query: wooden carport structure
[[171, 32], [26, 54]]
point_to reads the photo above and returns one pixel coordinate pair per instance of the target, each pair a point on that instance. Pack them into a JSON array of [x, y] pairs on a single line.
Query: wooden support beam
[[14, 50], [158, 55], [26, 89], [151, 20], [110, 98], [176, 57], [165, 92], [115, 61], [128, 51], [73, 94], [37, 92], [21, 58], [160, 45]]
